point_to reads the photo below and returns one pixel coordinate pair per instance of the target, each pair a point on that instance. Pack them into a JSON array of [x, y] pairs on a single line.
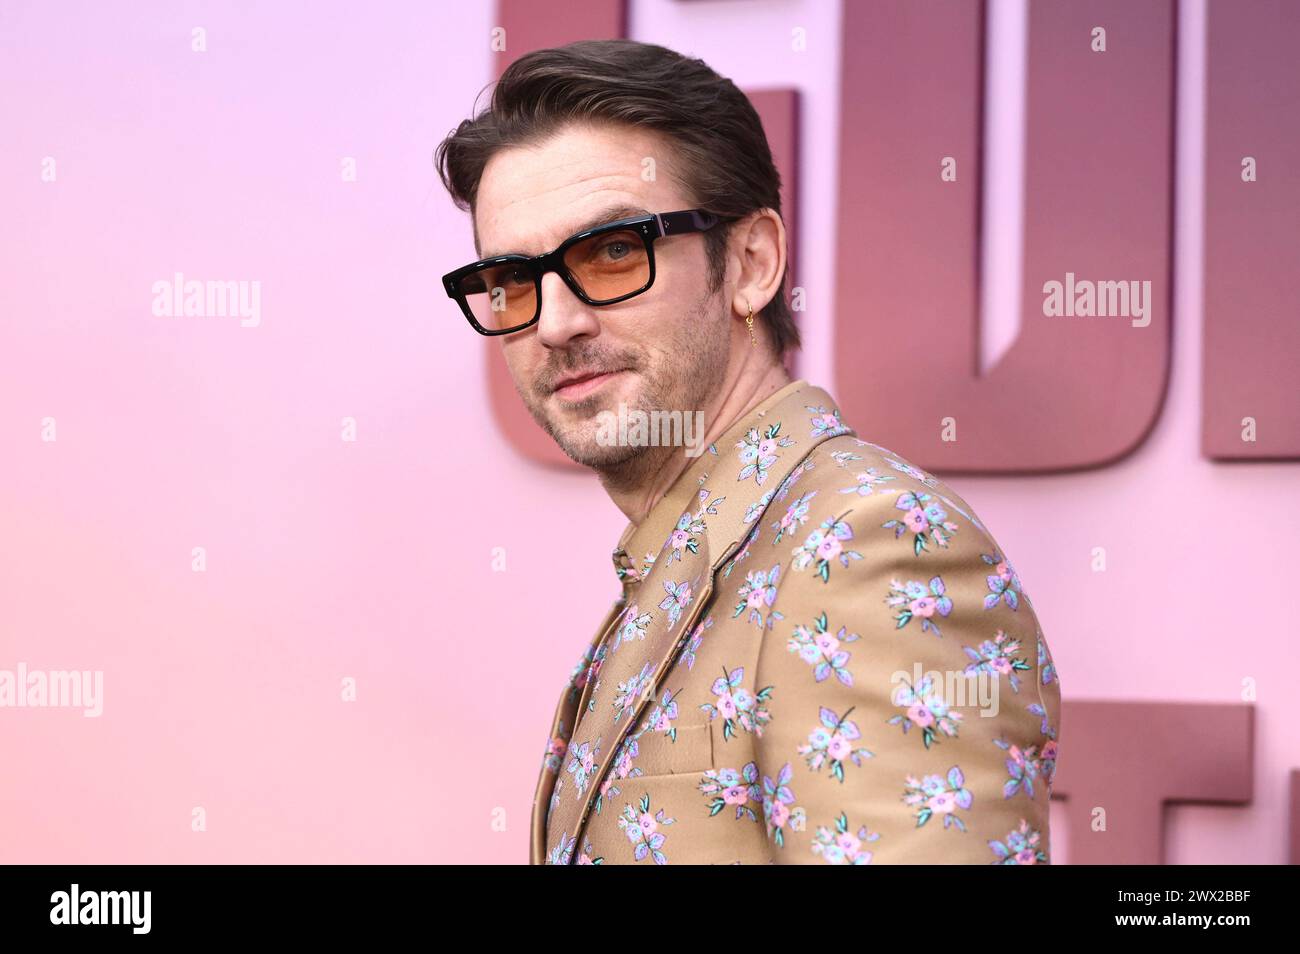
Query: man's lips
[[578, 385]]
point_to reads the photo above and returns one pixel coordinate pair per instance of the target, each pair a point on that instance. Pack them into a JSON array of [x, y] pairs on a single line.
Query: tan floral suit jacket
[[820, 655]]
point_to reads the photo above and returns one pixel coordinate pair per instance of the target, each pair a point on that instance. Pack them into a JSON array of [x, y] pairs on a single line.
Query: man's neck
[[733, 403]]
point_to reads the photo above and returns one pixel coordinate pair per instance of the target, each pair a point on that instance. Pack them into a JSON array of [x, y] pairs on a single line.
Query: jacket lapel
[[638, 650], [562, 723], [713, 502]]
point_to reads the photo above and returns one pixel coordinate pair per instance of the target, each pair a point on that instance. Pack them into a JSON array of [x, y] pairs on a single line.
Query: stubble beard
[[681, 375]]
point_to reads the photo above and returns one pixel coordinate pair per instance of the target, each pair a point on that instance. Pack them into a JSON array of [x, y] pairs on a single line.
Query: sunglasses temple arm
[[691, 220]]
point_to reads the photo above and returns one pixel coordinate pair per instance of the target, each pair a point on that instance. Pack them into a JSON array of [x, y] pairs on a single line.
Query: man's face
[[666, 349]]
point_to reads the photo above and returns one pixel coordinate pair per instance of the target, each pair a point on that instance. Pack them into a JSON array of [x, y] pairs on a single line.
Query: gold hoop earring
[[749, 323]]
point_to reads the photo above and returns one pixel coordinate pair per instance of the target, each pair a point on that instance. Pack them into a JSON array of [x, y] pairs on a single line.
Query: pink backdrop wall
[[372, 559]]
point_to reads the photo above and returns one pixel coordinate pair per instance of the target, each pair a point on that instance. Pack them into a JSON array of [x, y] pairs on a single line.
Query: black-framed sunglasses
[[604, 265]]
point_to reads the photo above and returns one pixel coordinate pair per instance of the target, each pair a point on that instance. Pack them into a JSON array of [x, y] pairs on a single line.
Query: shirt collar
[[635, 553]]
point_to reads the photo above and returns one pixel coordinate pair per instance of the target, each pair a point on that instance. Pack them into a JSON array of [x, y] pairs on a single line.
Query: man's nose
[[564, 316]]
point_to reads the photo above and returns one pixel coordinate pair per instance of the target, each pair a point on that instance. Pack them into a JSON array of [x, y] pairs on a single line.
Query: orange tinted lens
[[609, 265], [500, 296]]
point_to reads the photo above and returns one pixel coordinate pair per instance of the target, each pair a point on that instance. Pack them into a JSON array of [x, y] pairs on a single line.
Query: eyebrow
[[612, 214]]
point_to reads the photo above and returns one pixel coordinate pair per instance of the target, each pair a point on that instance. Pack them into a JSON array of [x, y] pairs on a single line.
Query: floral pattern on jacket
[[871, 685]]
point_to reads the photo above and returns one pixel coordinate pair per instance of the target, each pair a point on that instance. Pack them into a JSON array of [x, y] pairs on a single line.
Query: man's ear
[[758, 249]]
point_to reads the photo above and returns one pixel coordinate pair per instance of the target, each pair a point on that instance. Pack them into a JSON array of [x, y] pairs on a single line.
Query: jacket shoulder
[[860, 469]]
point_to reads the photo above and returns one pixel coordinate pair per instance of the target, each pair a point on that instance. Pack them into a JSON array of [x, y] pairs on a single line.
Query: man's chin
[[589, 453]]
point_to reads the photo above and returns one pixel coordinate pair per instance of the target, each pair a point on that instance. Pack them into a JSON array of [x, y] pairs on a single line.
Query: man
[[820, 654]]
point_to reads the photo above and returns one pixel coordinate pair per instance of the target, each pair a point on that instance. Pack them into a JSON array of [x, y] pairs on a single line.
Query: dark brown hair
[[721, 151]]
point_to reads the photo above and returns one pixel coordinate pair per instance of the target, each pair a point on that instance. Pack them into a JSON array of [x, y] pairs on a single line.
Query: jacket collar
[[640, 545], [666, 565]]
